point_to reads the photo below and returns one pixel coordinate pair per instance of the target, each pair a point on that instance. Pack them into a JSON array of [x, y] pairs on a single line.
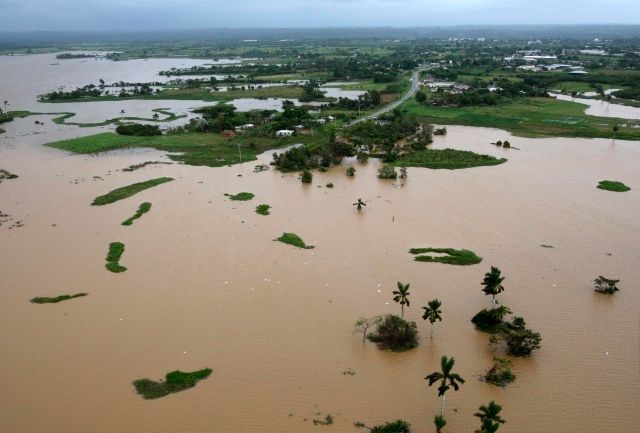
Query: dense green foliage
[[128, 191], [56, 299], [241, 196], [450, 159], [397, 426], [116, 249], [142, 209], [138, 130], [263, 209], [612, 185], [295, 240], [520, 340], [395, 334], [490, 319], [500, 373], [175, 381], [450, 256]]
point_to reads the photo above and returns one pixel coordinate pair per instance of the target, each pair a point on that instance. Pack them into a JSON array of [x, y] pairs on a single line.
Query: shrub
[[397, 426], [395, 334], [175, 381], [520, 340], [351, 171], [500, 374], [506, 144], [490, 319], [306, 177], [138, 129], [387, 172], [363, 157]]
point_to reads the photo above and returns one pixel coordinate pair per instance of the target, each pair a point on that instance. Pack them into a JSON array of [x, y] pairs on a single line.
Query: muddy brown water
[[207, 286]]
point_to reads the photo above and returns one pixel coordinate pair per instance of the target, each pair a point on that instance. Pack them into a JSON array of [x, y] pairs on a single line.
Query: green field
[[530, 117], [207, 149]]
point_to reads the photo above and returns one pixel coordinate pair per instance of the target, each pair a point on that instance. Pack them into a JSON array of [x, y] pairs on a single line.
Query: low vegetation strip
[[241, 196], [175, 381], [449, 256], [612, 185], [142, 209], [116, 249], [5, 175], [293, 239], [128, 191], [450, 159], [55, 300]]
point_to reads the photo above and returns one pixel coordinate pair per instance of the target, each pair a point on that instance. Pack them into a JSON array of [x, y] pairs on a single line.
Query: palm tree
[[432, 312], [615, 128], [156, 117], [447, 379], [5, 105], [492, 283], [488, 426], [440, 422], [121, 114], [359, 203], [402, 296], [490, 412]]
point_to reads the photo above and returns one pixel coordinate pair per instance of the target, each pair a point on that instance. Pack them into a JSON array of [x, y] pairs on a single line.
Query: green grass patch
[[55, 300], [263, 209], [116, 249], [142, 209], [175, 381], [293, 239], [450, 159], [200, 149], [450, 256], [612, 185], [241, 196], [128, 191], [530, 117]]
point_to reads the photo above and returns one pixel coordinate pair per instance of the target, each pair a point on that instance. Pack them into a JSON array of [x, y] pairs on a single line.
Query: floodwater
[[596, 107], [206, 286]]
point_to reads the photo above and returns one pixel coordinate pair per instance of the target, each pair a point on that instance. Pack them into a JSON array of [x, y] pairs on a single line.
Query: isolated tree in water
[[401, 296], [492, 283], [359, 203], [432, 312], [490, 412], [446, 378]]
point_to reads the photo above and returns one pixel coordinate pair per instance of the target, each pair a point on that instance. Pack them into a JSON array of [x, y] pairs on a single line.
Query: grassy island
[[128, 191], [449, 256], [55, 300], [116, 249], [241, 196], [450, 159], [295, 240], [175, 381], [612, 185], [263, 209], [142, 209]]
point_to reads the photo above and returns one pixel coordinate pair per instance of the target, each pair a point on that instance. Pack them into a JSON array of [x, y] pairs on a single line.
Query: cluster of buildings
[[434, 84]]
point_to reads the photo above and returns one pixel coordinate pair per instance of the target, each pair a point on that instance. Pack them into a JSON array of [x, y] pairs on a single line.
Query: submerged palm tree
[[439, 422], [432, 312], [156, 117], [446, 378], [490, 412], [121, 114], [402, 296], [492, 283], [359, 203], [615, 128]]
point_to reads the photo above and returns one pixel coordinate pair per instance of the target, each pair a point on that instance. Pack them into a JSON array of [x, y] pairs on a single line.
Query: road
[[415, 85]]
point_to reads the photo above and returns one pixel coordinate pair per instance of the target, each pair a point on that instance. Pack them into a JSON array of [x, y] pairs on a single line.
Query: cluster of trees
[[138, 129], [311, 91], [371, 99], [305, 158], [90, 90]]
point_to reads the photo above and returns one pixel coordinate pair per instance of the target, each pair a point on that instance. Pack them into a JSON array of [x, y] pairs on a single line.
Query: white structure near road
[[284, 133]]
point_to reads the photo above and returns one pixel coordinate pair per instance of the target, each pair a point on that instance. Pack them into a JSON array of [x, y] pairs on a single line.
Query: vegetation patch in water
[[128, 191], [451, 256], [116, 249], [55, 300], [394, 333], [241, 196], [134, 167], [5, 175], [612, 185], [142, 209], [500, 373], [450, 159], [293, 239], [263, 209], [175, 381]]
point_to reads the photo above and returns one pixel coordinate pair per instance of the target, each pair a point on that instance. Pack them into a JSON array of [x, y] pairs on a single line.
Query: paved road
[[415, 85]]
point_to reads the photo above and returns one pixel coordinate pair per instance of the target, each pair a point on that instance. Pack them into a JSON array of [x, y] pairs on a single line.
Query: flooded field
[[597, 107], [206, 286]]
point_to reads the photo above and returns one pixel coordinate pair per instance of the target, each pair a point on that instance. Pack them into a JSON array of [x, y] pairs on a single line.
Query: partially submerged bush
[[500, 373], [613, 185], [263, 209], [116, 249], [55, 300], [395, 334], [351, 171], [175, 381], [397, 426], [241, 196], [295, 240], [605, 285], [520, 340], [362, 157], [490, 319], [387, 172], [451, 256], [306, 177], [138, 129]]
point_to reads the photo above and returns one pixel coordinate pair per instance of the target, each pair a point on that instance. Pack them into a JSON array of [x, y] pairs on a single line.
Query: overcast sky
[[131, 15]]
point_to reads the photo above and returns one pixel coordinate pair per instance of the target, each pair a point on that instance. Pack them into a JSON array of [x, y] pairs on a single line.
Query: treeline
[[64, 56], [138, 129]]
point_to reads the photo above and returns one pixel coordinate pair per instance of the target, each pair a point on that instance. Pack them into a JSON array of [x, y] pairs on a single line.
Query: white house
[[246, 126], [284, 133], [321, 121]]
